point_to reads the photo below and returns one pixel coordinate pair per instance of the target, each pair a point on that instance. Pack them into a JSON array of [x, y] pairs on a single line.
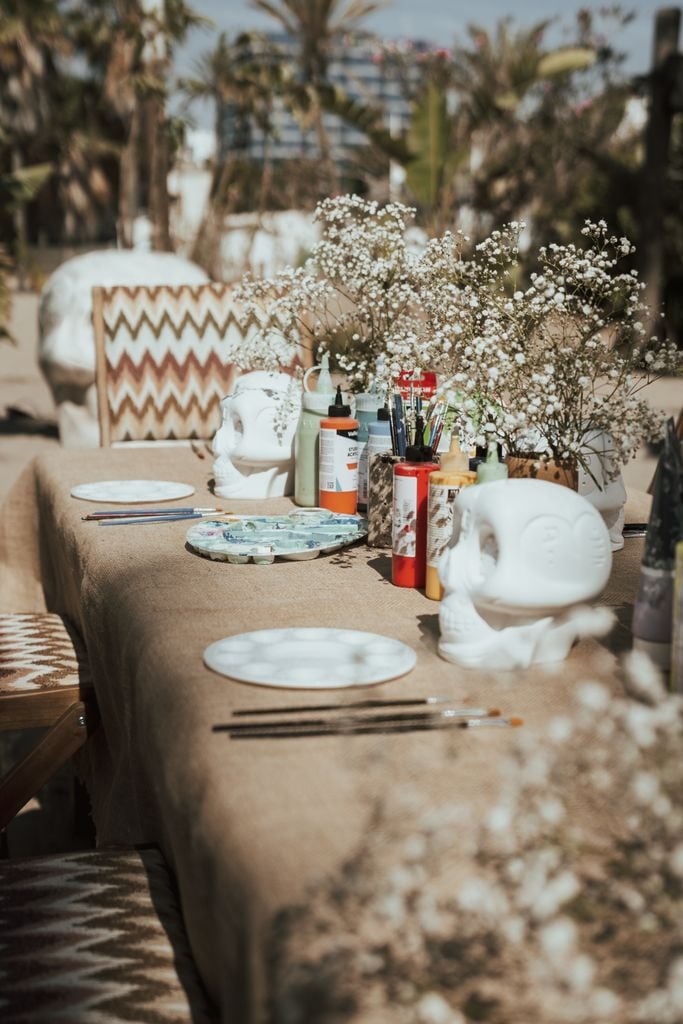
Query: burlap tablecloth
[[248, 826]]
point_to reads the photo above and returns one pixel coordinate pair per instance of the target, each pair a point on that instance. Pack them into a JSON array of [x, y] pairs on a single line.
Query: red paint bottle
[[409, 532]]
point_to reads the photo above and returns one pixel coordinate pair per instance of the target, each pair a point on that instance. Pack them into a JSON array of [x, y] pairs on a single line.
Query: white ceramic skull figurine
[[524, 556], [254, 446]]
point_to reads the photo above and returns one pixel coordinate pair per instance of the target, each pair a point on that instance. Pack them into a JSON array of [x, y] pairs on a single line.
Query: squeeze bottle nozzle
[[324, 380], [339, 408], [455, 459]]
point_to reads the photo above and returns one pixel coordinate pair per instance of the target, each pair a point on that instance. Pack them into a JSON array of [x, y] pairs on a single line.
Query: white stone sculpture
[[524, 556], [66, 347], [254, 446]]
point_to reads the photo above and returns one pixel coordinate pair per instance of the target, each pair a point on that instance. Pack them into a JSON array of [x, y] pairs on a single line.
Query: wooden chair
[[163, 360], [95, 936], [44, 681]]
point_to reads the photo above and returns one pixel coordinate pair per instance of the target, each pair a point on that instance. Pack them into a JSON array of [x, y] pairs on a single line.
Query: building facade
[[357, 67]]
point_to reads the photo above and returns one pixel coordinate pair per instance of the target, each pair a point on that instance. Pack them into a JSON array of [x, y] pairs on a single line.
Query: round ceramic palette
[[298, 535], [310, 659], [129, 492]]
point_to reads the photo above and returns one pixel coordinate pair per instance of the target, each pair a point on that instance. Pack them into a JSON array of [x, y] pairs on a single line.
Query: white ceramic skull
[[524, 555], [603, 486], [254, 446]]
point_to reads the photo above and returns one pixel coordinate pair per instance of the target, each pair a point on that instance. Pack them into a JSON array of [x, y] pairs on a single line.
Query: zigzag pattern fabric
[[163, 360], [95, 938], [39, 652]]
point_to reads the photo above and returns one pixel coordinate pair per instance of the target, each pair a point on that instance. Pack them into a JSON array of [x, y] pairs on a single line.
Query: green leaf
[[564, 60], [23, 185]]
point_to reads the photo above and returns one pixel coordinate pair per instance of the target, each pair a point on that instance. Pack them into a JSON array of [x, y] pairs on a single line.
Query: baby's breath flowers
[[561, 901], [355, 291], [549, 367]]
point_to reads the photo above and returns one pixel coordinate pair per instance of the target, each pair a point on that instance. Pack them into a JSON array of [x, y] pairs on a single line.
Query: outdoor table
[[248, 827]]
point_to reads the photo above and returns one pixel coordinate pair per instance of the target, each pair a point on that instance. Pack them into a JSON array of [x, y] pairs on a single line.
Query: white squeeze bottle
[[314, 408], [379, 440], [367, 406]]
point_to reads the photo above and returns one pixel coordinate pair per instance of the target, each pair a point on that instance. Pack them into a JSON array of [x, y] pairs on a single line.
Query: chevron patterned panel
[[95, 938], [39, 652], [166, 359]]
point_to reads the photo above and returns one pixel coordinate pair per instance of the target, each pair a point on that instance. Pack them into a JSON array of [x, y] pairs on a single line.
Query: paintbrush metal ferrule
[[349, 721], [289, 731]]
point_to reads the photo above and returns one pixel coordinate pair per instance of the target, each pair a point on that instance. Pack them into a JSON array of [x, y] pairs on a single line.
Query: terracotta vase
[[532, 467]]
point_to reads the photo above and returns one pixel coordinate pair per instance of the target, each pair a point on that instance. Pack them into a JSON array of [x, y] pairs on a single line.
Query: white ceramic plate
[[310, 659], [129, 492]]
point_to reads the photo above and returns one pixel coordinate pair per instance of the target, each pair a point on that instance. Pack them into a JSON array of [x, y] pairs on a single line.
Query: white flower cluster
[[538, 368], [355, 291], [571, 908]]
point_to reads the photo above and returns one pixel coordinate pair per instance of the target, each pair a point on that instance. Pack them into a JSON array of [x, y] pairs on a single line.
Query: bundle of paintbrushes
[[136, 516], [367, 717], [411, 424]]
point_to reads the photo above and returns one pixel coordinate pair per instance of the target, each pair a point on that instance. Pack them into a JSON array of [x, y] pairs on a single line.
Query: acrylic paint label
[[404, 532], [440, 523], [338, 460]]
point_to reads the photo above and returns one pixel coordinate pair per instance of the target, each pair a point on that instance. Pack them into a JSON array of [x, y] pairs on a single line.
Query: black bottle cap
[[339, 409], [383, 413], [418, 453]]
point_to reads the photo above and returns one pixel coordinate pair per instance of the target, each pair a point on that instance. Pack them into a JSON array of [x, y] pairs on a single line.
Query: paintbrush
[[356, 704], [367, 728], [362, 719], [139, 513]]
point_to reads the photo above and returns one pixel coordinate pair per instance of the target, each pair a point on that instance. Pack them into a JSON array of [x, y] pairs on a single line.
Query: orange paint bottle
[[339, 458]]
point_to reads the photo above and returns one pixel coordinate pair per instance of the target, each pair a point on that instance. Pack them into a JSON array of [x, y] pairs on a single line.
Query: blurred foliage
[[506, 124], [507, 128]]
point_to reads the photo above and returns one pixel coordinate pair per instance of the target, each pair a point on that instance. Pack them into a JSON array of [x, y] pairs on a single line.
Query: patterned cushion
[[97, 938], [163, 360], [39, 652]]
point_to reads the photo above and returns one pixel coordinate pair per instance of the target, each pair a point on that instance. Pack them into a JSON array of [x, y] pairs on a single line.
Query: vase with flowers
[[552, 371]]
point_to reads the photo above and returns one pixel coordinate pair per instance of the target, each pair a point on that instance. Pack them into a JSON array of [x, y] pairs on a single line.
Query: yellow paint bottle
[[444, 486]]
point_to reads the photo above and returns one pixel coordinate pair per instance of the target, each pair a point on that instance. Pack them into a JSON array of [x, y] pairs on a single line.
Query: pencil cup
[[380, 498]]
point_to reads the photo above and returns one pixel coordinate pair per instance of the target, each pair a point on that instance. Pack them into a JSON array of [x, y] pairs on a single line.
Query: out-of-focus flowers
[[571, 909]]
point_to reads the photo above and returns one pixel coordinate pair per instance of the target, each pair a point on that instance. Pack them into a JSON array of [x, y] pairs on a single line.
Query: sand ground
[[27, 428]]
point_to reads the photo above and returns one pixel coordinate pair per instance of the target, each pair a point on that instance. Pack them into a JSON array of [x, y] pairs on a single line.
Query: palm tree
[[129, 46], [316, 25], [242, 89], [31, 36], [544, 123]]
